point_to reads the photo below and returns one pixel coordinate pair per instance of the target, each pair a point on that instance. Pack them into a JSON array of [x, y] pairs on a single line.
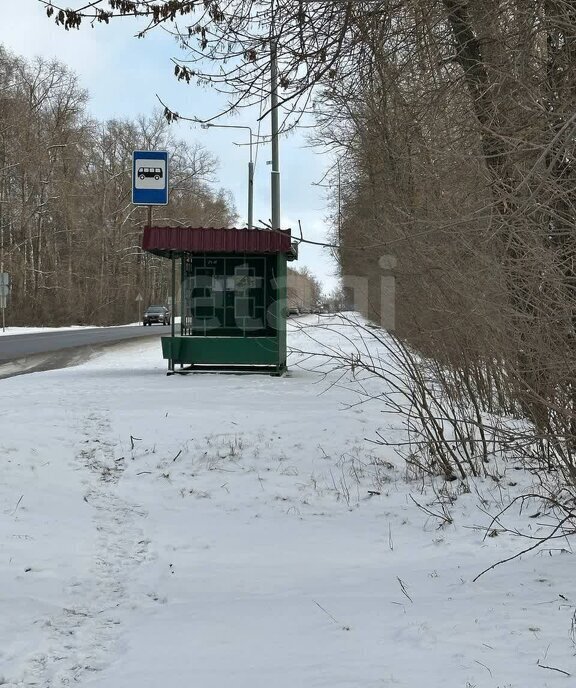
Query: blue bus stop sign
[[150, 178]]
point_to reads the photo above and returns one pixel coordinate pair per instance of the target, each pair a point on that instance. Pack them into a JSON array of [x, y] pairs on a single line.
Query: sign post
[[3, 300], [139, 300], [149, 187], [4, 293]]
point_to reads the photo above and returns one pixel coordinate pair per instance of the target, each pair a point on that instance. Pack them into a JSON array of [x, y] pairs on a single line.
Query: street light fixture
[[208, 125]]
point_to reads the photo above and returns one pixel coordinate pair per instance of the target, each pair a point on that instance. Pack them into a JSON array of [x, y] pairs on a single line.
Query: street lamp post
[[209, 125], [275, 180]]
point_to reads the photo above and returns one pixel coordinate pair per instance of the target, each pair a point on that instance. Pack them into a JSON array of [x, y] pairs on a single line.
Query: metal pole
[[209, 125], [275, 181], [250, 186], [250, 195], [172, 326], [148, 224]]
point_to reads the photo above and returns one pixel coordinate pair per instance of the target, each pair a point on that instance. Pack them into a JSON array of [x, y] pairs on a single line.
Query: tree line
[[69, 234], [458, 134]]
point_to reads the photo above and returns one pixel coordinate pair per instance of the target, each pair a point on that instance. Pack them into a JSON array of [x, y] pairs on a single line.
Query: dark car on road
[[156, 314]]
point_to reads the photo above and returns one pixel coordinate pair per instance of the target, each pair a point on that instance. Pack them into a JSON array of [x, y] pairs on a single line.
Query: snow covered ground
[[215, 531], [40, 330], [37, 330]]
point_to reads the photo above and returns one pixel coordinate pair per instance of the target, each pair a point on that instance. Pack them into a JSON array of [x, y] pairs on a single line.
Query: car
[[156, 314]]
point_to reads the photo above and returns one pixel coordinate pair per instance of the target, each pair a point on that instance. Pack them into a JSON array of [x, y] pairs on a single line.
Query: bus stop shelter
[[233, 297]]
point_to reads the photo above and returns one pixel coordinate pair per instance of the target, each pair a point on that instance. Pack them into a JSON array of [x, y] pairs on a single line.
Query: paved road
[[17, 346], [25, 353]]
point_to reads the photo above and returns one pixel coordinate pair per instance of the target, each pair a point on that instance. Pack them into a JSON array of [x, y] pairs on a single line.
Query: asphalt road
[[25, 353]]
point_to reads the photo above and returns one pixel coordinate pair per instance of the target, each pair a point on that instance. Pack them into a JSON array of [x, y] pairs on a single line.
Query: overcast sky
[[124, 74]]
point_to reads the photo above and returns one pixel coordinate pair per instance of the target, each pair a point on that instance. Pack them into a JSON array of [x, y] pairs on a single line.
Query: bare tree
[[71, 237]]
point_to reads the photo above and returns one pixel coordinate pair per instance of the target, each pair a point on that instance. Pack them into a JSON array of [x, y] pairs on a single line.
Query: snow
[[216, 530], [42, 330]]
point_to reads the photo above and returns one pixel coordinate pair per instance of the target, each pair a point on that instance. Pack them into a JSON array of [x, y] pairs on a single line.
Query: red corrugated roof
[[164, 240]]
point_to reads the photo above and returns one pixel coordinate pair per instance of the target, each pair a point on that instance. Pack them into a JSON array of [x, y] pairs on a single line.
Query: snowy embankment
[[38, 330], [218, 531], [9, 331]]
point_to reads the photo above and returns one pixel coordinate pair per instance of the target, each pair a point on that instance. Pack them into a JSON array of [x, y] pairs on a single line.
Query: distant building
[[302, 292]]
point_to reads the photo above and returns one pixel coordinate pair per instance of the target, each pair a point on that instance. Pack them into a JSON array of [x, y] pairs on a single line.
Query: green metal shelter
[[233, 307]]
